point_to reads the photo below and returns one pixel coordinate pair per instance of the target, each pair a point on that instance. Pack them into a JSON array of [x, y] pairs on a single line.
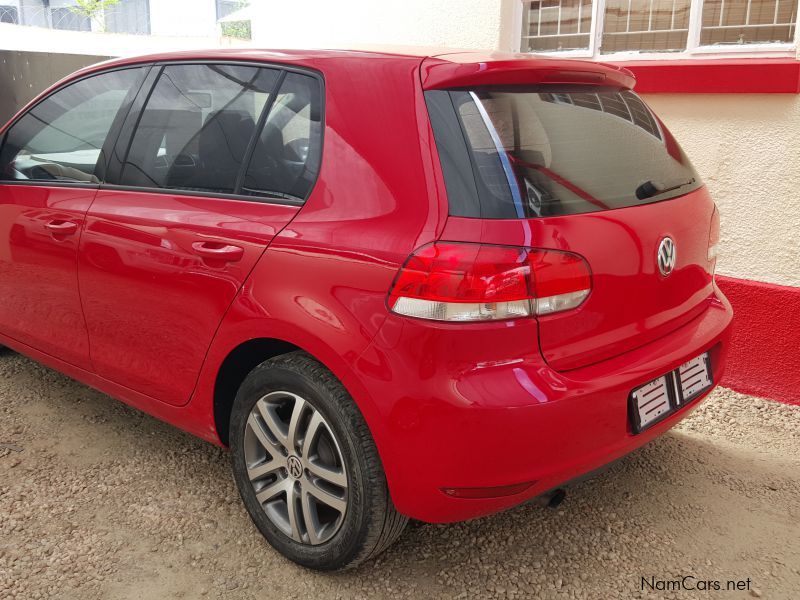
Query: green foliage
[[237, 29], [93, 9]]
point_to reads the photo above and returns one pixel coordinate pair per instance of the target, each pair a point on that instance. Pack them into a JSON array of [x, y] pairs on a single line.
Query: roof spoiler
[[473, 70]]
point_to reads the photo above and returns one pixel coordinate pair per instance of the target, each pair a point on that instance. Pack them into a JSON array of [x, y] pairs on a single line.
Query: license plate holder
[[664, 395]]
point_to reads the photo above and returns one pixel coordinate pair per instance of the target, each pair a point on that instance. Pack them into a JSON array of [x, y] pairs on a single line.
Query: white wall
[[747, 149], [192, 18], [350, 23]]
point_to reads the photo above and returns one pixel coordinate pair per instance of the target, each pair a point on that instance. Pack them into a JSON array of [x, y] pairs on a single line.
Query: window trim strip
[[199, 194]]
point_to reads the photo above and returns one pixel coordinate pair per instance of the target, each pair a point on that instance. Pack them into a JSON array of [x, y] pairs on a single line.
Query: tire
[[343, 514]]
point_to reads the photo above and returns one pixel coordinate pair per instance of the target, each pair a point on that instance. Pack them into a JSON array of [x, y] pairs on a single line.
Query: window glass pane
[[8, 14], [645, 25], [556, 150], [65, 18], [61, 138], [287, 156], [128, 16], [748, 21], [556, 25], [196, 127]]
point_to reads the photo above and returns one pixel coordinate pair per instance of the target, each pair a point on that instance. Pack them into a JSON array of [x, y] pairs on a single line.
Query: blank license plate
[[694, 377], [663, 396]]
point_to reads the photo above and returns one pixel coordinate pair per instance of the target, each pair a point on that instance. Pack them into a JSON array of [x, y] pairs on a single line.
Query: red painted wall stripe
[[764, 358], [719, 76]]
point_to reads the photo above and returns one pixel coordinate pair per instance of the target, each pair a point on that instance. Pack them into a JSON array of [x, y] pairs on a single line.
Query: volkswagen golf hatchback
[[427, 286]]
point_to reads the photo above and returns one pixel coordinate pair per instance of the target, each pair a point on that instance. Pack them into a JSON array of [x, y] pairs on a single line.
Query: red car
[[394, 285]]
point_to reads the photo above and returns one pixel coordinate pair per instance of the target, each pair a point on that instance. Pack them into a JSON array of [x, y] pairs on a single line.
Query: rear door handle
[[62, 227], [218, 251]]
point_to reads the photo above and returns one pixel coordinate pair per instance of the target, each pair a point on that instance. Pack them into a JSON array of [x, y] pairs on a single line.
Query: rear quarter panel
[[322, 283]]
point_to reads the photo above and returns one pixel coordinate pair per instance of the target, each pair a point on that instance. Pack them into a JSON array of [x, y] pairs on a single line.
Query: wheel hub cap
[[295, 467]]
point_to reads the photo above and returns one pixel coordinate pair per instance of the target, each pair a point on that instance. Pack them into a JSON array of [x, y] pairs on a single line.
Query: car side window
[[62, 137], [287, 156], [196, 127]]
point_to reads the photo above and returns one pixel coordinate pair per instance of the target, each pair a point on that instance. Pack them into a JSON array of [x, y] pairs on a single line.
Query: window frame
[[132, 122], [693, 48], [108, 143], [125, 123]]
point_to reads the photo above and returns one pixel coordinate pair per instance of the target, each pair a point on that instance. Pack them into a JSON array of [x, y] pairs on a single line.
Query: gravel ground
[[98, 500]]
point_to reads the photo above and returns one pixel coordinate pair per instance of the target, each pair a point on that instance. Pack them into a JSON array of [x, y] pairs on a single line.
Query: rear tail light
[[713, 242], [450, 281]]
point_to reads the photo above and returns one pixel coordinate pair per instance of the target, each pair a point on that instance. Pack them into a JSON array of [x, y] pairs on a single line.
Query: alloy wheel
[[295, 466]]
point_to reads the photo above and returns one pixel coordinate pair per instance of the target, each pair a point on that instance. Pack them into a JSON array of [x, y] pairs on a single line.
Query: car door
[[51, 164], [170, 240]]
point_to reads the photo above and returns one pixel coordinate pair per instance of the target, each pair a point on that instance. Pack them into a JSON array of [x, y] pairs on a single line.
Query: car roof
[[298, 56], [442, 67], [280, 55]]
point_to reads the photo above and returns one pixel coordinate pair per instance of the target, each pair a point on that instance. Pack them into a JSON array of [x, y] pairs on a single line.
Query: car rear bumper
[[453, 414]]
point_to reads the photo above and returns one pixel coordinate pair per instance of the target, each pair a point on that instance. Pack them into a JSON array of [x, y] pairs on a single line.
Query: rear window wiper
[[648, 189]]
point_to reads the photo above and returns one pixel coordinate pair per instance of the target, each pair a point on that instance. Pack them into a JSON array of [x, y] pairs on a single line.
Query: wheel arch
[[234, 369], [244, 356]]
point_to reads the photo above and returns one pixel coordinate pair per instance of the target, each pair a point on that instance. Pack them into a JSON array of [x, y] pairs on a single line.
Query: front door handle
[[218, 251], [59, 227]]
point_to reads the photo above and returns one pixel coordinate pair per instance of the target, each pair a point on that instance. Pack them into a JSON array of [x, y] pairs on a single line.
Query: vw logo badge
[[295, 467], [666, 256]]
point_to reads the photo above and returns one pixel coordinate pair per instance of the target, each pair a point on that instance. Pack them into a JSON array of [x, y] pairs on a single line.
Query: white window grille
[[660, 28], [748, 21]]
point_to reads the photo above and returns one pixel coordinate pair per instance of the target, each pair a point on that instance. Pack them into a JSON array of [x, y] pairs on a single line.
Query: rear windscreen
[[544, 151]]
